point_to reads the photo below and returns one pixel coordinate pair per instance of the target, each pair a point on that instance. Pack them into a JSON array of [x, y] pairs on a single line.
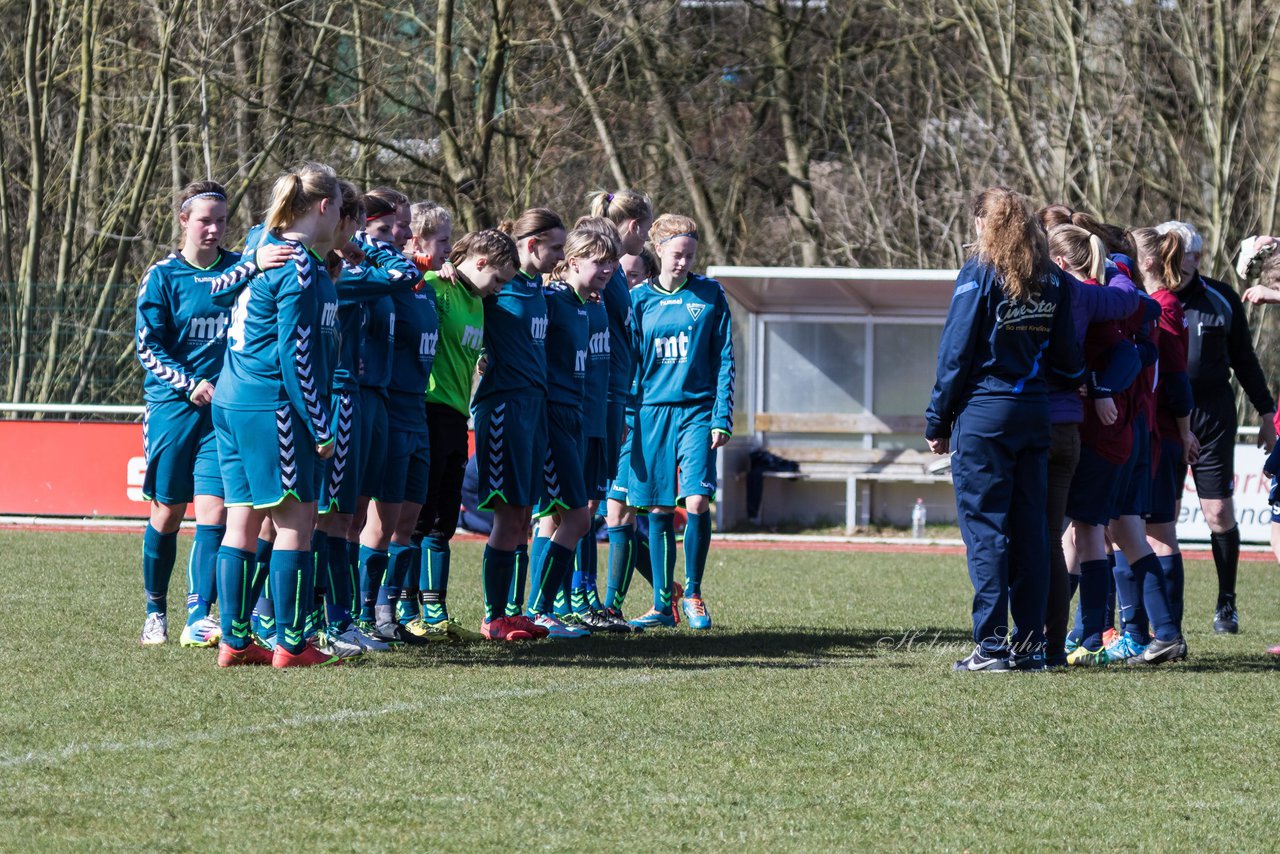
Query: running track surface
[[780, 544]]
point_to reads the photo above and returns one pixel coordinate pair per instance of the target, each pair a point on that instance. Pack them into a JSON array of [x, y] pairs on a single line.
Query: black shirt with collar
[[1219, 342]]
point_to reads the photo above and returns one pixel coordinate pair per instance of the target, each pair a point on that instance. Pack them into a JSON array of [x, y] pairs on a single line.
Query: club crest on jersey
[[695, 309]]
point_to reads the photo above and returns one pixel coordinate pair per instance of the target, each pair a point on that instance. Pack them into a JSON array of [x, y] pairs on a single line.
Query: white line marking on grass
[[75, 749]]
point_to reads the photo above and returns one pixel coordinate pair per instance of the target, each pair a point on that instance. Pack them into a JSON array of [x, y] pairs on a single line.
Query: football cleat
[[596, 621], [1031, 662], [619, 622], [503, 629], [457, 631], [696, 613], [526, 624], [653, 620], [1225, 620], [1125, 648], [1109, 637], [1159, 652], [1081, 657], [677, 593], [394, 635], [425, 632], [366, 640], [979, 662], [229, 656], [339, 644], [310, 656], [1275, 650], [559, 629], [155, 630], [203, 633]]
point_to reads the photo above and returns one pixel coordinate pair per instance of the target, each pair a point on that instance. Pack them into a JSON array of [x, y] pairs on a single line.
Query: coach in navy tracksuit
[[1008, 325]]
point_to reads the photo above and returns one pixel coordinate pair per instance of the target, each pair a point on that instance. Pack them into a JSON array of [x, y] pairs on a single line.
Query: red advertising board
[[66, 468]]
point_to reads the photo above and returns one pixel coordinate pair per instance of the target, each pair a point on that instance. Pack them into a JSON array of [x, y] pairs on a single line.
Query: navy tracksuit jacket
[[995, 362]]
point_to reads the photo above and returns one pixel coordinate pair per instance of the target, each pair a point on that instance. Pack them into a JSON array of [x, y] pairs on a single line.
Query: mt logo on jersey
[[695, 309]]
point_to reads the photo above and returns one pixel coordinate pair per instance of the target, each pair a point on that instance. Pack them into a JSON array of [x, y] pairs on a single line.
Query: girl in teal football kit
[[369, 271], [632, 213], [271, 415], [510, 417], [180, 340], [573, 417], [684, 411]]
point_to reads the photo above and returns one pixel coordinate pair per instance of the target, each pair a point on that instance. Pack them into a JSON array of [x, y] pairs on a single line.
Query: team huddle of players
[[312, 398], [1059, 493]]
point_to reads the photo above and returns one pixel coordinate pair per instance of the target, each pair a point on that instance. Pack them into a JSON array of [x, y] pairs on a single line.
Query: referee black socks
[[1226, 558]]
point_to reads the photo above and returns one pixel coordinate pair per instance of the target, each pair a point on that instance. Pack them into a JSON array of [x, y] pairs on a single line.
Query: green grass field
[[804, 720]]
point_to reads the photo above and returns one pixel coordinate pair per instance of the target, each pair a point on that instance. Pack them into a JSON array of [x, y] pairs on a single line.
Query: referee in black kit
[[1219, 343]]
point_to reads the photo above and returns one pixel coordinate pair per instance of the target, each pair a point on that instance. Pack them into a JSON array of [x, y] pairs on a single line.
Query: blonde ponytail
[[298, 190]]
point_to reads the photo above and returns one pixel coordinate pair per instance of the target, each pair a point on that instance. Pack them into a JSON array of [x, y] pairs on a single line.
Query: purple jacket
[[1091, 304]]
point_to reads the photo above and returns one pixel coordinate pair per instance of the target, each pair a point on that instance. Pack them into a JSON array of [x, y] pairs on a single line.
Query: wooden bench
[[857, 468]]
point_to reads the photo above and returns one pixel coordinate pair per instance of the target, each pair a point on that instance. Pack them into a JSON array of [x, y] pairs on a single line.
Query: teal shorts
[[671, 456], [511, 449], [373, 440], [619, 485], [341, 485], [181, 451], [563, 485], [616, 421], [408, 450], [595, 469], [266, 457]]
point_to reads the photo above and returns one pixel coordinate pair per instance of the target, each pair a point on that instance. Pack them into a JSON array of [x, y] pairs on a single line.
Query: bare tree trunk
[[363, 103], [996, 42], [797, 162], [6, 268], [129, 221], [456, 167], [30, 267], [709, 226], [565, 34], [244, 141], [89, 17]]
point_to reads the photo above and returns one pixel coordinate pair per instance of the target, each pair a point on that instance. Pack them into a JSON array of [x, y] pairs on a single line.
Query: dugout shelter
[[834, 371]]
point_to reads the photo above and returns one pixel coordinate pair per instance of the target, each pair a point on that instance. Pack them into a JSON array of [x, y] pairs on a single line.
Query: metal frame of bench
[[857, 468]]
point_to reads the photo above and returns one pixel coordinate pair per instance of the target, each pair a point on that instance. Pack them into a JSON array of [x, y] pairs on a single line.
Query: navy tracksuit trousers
[[1001, 481]]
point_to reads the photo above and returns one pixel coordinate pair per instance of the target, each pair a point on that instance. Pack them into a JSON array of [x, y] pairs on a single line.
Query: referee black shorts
[[1213, 421]]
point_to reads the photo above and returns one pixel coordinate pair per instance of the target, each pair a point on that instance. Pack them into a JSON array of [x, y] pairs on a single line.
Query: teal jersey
[[684, 347], [383, 271], [377, 342], [515, 332], [180, 333], [568, 339], [617, 302], [282, 342], [417, 331], [595, 392]]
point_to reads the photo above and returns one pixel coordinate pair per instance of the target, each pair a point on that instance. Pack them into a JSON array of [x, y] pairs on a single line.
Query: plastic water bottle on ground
[[918, 515]]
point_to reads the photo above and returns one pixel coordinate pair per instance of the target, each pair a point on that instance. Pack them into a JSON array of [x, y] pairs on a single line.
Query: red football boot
[[229, 656], [310, 656]]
